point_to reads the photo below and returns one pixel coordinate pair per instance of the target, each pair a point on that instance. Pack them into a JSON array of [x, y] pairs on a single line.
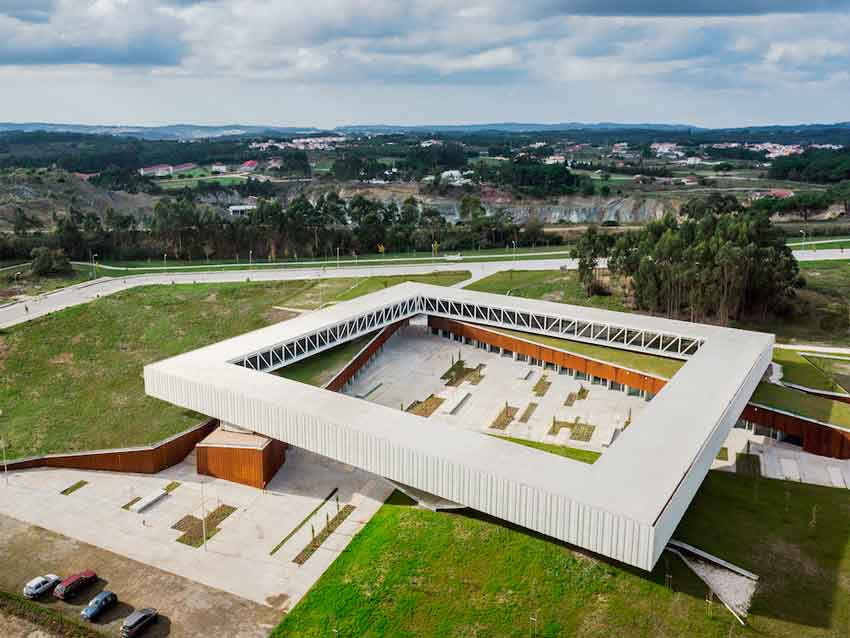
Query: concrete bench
[[146, 501], [454, 404]]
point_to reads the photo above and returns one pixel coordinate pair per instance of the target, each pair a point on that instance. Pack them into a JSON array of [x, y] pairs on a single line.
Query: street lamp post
[[337, 256], [165, 259], [250, 259], [803, 233], [94, 263], [3, 445], [203, 516]]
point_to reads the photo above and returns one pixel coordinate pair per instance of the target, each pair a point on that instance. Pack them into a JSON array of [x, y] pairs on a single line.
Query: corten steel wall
[[817, 438], [248, 466], [344, 376], [274, 456], [142, 460], [631, 379]]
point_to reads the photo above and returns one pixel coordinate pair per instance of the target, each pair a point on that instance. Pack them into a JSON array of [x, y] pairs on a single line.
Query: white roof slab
[[625, 506]]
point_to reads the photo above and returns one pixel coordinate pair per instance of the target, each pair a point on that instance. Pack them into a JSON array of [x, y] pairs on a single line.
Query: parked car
[[41, 585], [99, 604], [74, 584], [138, 621]]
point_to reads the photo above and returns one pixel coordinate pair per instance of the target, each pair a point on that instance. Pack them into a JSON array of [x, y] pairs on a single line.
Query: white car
[[41, 585]]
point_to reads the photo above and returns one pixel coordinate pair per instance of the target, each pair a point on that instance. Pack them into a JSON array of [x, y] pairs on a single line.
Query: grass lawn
[[821, 311], [837, 368], [321, 368], [551, 285], [797, 369], [650, 364], [29, 284], [585, 456], [73, 380], [412, 572], [821, 315], [806, 405]]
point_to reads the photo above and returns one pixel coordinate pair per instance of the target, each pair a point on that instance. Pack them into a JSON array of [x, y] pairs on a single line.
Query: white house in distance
[[218, 167], [157, 170]]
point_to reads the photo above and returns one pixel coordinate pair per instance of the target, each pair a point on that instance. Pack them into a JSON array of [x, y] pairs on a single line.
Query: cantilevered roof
[[626, 505]]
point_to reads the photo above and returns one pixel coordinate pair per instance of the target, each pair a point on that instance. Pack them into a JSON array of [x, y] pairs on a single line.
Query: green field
[[551, 285], [175, 183], [806, 405], [799, 370], [412, 572], [73, 380]]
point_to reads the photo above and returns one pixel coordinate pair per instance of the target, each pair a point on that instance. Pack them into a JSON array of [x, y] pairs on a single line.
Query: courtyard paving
[[238, 558], [412, 363]]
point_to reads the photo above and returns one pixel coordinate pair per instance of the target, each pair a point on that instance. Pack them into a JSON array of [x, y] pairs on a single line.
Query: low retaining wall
[[141, 460]]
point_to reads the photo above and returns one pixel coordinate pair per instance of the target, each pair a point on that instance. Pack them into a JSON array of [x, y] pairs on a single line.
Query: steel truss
[[608, 334]]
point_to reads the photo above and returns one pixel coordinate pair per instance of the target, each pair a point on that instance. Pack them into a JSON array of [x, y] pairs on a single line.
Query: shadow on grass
[[794, 536]]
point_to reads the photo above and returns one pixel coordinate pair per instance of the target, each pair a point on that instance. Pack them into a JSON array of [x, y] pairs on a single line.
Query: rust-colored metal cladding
[[630, 378], [817, 439], [241, 457], [141, 460]]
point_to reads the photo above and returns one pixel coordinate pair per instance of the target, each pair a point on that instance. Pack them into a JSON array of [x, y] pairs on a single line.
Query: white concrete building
[[625, 506]]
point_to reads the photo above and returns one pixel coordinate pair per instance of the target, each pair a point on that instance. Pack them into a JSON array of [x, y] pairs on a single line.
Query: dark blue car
[[99, 604]]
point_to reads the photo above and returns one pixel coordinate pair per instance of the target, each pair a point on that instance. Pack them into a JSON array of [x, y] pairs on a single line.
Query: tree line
[[182, 228], [716, 264]]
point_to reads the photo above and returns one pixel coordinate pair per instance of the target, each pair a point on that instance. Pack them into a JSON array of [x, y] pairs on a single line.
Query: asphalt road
[[19, 312]]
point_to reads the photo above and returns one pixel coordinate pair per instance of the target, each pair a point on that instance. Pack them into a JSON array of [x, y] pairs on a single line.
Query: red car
[[74, 584]]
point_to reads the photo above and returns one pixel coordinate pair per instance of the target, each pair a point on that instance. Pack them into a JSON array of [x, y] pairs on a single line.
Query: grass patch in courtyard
[[413, 572], [72, 381], [458, 373], [171, 486], [427, 407], [193, 527], [323, 535], [73, 488], [277, 547], [542, 386], [504, 418], [526, 414], [131, 502], [577, 454]]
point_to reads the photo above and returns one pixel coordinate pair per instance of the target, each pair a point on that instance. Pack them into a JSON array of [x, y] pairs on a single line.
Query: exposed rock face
[[576, 210]]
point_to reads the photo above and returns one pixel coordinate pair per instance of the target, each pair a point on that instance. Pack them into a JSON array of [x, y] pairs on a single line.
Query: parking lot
[[138, 556]]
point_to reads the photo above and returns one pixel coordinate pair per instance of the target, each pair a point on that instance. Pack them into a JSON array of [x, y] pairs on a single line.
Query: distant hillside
[[195, 131]]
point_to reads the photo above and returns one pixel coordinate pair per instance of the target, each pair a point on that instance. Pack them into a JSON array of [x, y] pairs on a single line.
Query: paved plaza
[[238, 558], [411, 365]]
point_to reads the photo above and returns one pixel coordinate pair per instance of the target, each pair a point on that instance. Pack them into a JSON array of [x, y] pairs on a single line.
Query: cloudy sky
[[330, 62]]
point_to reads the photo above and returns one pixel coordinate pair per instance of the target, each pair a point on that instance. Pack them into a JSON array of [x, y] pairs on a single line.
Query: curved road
[[19, 312]]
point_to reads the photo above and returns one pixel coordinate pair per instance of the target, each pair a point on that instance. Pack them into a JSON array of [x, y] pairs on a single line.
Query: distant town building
[[250, 165], [184, 168], [239, 210], [218, 168], [158, 170]]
